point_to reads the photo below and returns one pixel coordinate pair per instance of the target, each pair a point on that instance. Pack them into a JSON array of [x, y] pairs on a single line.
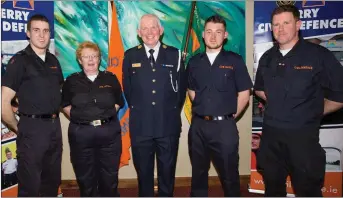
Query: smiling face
[[39, 34], [90, 61], [285, 29], [150, 30], [214, 36]]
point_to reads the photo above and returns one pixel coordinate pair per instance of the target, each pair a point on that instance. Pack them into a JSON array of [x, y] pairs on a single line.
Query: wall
[[183, 168]]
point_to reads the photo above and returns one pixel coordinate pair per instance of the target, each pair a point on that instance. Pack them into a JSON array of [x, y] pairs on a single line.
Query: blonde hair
[[89, 45]]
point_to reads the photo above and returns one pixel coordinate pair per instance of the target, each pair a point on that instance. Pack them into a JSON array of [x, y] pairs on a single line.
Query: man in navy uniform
[[35, 76], [155, 87], [219, 87], [300, 82]]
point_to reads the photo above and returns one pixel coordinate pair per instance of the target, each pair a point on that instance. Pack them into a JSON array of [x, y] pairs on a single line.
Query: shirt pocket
[[80, 100], [224, 82], [105, 99], [134, 73], [198, 79], [301, 83]]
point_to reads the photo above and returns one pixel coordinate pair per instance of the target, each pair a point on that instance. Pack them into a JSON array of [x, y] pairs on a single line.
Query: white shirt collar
[[156, 48]]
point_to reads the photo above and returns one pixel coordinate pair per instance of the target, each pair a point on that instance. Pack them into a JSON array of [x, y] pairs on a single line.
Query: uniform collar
[[30, 51], [156, 49], [83, 74], [294, 51], [204, 55]]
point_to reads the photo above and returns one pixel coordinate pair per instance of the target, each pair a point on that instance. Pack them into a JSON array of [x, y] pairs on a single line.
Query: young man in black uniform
[[219, 87], [35, 76], [155, 89], [300, 82]]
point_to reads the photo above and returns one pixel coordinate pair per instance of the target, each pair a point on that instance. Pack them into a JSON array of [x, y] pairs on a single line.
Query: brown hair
[[89, 45], [286, 8], [36, 17], [216, 19]]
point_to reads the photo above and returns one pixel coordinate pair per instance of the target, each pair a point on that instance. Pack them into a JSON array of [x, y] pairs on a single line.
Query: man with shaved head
[[155, 88]]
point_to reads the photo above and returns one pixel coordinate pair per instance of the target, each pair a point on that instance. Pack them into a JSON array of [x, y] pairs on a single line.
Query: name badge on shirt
[[303, 67], [105, 86], [226, 67], [136, 65], [165, 65]]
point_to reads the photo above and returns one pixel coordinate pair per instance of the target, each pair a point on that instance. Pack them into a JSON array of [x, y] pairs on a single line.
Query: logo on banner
[[25, 5], [281, 3], [311, 4]]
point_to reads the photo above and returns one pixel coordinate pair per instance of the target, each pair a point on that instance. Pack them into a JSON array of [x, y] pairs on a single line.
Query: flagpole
[[184, 53]]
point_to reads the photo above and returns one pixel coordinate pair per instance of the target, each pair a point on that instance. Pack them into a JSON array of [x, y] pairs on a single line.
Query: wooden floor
[[128, 188]]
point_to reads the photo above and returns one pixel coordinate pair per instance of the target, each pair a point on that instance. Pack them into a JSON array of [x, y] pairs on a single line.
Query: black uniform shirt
[[216, 87], [92, 100], [36, 82], [296, 84]]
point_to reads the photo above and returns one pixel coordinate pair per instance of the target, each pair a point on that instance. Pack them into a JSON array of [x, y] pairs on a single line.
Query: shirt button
[[153, 80], [153, 91], [153, 70], [153, 103]]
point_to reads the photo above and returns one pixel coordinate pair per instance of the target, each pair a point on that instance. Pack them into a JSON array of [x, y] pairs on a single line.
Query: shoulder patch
[[74, 74], [108, 72]]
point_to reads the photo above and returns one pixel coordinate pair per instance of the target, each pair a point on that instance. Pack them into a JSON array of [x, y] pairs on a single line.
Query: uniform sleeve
[[259, 82], [332, 80], [242, 78], [190, 79], [126, 77], [183, 83], [60, 71], [14, 73], [118, 92], [66, 94]]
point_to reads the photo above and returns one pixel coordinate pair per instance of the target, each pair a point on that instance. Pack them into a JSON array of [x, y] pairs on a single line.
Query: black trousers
[[292, 152], [10, 179], [39, 155], [144, 150], [217, 141], [95, 156]]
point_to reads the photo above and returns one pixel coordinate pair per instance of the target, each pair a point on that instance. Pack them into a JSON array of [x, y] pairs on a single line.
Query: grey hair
[[150, 15]]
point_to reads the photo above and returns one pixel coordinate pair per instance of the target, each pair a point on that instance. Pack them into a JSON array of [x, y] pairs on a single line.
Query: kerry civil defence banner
[[322, 23], [14, 17]]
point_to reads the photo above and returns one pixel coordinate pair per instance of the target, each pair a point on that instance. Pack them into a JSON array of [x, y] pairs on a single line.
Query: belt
[[224, 117], [40, 116], [95, 122]]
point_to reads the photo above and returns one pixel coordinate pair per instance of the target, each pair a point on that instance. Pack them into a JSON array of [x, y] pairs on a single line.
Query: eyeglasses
[[90, 57]]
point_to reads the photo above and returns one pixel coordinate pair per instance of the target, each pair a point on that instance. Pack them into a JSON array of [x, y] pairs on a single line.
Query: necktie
[[151, 57]]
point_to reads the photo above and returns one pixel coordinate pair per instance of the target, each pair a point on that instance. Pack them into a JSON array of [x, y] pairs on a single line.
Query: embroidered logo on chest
[[226, 67]]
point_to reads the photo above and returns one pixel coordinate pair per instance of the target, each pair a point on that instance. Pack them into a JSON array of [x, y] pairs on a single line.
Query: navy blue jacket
[[155, 95], [296, 84]]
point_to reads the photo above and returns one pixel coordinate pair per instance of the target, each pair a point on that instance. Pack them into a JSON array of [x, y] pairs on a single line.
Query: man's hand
[[331, 106], [191, 94], [117, 107], [261, 94], [67, 110], [7, 113], [242, 101]]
